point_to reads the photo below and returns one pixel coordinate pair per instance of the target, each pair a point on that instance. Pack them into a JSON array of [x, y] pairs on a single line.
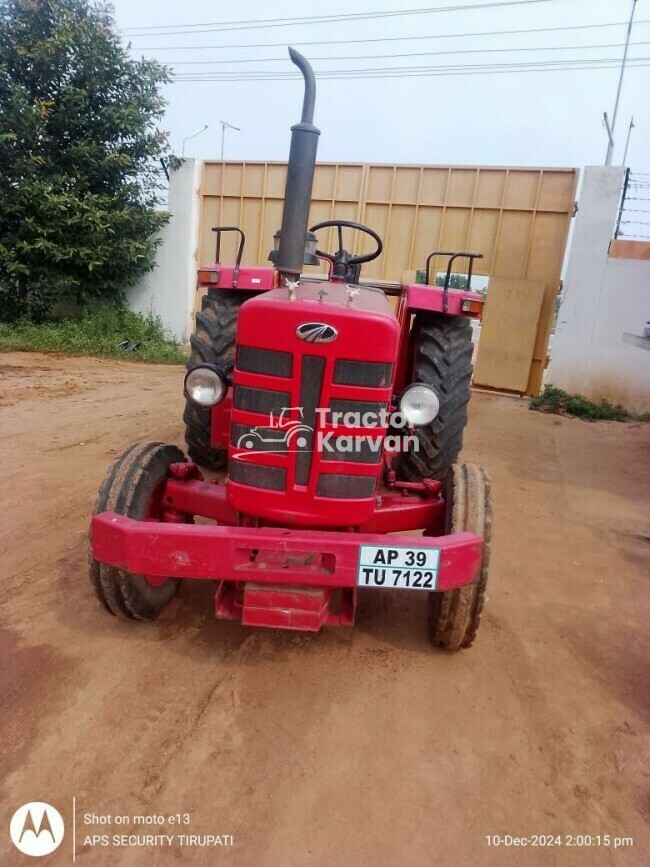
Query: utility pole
[[627, 141], [611, 127], [225, 126], [192, 135]]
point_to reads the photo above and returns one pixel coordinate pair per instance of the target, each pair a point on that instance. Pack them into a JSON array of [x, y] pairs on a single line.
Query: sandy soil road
[[353, 747]]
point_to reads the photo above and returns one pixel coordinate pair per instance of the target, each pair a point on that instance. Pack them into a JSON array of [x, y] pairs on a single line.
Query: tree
[[79, 156], [456, 281]]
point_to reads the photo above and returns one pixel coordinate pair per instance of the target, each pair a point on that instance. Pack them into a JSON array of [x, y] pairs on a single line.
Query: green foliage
[[79, 157], [456, 281], [557, 401], [97, 333]]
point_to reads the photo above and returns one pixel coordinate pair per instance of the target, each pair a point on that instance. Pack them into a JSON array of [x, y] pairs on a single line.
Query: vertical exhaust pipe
[[290, 254]]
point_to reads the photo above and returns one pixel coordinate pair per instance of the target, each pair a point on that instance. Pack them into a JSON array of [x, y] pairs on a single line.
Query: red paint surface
[[421, 297], [264, 555], [368, 331], [251, 278]]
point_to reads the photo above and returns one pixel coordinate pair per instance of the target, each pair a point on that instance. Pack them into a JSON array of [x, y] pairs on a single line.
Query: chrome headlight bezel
[[412, 417], [216, 378]]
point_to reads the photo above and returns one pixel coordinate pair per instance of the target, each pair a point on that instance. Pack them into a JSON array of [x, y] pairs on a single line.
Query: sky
[[537, 118]]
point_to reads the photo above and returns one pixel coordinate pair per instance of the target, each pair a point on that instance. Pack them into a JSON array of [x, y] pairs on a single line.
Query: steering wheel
[[342, 260]]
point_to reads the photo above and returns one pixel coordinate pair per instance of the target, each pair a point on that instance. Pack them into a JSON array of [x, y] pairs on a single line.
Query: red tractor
[[338, 416]]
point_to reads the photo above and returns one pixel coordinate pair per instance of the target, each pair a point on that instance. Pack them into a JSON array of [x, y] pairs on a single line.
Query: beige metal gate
[[517, 217]]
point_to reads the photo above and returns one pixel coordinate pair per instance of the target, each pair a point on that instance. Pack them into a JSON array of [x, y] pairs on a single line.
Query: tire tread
[[442, 358], [126, 490], [455, 615], [213, 342]]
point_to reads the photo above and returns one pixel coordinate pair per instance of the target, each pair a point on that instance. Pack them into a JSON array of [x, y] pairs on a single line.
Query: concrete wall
[[168, 291], [598, 349]]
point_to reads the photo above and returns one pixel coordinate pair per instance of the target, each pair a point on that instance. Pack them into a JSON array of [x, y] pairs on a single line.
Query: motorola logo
[[36, 828]]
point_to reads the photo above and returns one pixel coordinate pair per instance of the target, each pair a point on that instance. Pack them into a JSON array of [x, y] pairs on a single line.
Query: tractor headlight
[[205, 385], [419, 404]]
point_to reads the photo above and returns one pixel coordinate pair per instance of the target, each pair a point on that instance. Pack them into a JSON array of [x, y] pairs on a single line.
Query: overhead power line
[[410, 54], [463, 35], [290, 73], [263, 23], [419, 71], [425, 74]]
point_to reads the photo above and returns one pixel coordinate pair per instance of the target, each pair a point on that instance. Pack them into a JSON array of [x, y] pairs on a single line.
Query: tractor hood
[[308, 353]]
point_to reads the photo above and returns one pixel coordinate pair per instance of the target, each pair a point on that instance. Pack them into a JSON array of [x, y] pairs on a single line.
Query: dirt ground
[[352, 747]]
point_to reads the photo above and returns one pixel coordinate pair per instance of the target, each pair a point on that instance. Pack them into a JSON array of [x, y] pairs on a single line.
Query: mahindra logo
[[316, 332]]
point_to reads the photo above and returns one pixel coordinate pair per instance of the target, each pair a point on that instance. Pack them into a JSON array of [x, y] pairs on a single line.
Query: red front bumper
[[270, 576], [264, 555]]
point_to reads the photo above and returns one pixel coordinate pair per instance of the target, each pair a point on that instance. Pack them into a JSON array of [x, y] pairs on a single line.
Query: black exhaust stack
[[291, 255]]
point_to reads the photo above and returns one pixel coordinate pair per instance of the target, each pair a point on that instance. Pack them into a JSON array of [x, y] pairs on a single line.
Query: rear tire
[[455, 615], [213, 342], [442, 358], [130, 489]]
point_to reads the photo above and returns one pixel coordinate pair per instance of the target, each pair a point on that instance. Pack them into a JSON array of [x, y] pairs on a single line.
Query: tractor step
[[277, 606], [282, 607]]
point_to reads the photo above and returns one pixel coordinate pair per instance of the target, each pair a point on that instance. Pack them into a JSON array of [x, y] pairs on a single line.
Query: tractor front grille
[[260, 400], [258, 476], [311, 385], [309, 392], [326, 471], [268, 361], [240, 434], [364, 407], [346, 487], [372, 374], [366, 450]]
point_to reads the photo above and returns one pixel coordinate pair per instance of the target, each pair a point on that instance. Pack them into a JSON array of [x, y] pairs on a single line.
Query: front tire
[[213, 342], [455, 615], [442, 358], [132, 488]]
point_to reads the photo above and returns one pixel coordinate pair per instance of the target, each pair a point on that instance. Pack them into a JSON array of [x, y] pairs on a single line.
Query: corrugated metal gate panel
[[517, 217]]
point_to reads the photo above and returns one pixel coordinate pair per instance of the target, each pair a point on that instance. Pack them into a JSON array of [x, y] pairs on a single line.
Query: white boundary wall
[[598, 349], [168, 291]]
